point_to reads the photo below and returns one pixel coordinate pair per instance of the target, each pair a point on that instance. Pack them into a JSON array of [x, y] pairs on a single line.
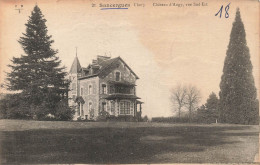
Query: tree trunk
[[179, 112]]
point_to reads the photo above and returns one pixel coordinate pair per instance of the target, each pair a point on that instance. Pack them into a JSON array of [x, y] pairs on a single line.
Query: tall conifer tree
[[238, 100], [37, 73]]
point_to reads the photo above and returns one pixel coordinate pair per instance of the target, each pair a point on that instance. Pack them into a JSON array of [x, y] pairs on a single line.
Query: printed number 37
[[226, 10]]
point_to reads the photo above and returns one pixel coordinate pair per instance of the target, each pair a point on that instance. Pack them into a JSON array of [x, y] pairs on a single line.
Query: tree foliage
[[238, 100], [37, 73], [209, 113], [9, 107], [212, 102]]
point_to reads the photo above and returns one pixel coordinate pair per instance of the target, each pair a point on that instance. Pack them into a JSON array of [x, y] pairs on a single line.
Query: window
[[124, 107], [127, 108], [103, 108], [90, 90], [117, 76], [121, 89], [131, 108], [104, 89], [112, 89], [112, 107], [82, 91]]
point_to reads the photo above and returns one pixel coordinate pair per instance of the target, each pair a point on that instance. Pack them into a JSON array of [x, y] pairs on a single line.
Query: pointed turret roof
[[75, 67]]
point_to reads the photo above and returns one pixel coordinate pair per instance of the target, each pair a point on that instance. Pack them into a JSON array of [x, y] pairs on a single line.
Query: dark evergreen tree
[[209, 113], [202, 115], [37, 73], [238, 100], [212, 102]]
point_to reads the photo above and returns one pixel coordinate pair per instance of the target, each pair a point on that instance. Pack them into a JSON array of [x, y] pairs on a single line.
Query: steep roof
[[107, 66], [75, 67]]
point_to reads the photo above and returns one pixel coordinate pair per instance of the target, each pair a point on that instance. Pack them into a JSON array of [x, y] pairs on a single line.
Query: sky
[[164, 46]]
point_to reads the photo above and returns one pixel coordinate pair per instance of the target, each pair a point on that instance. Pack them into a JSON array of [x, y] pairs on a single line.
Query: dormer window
[[118, 76]]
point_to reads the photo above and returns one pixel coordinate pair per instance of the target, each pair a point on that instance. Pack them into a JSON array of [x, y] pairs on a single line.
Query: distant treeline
[[183, 120]]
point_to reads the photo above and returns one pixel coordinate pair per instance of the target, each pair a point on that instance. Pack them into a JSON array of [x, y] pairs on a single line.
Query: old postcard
[[129, 81]]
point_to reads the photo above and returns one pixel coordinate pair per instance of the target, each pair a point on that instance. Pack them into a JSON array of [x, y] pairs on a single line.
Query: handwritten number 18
[[226, 10]]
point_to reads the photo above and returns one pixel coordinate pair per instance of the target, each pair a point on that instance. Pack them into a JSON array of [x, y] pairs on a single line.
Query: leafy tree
[[238, 100], [37, 73]]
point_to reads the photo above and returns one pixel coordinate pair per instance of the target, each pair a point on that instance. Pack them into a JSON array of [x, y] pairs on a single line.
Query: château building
[[107, 84]]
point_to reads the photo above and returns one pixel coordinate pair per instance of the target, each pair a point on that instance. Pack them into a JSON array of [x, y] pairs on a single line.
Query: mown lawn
[[96, 142]]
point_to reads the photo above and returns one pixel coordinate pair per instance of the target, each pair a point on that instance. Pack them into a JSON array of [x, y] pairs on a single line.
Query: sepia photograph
[[129, 81]]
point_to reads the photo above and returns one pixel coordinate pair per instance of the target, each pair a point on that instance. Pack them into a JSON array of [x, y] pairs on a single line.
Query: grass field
[[118, 142]]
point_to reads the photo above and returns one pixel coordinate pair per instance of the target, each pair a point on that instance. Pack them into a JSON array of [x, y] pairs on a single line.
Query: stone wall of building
[[126, 74], [113, 107], [94, 96], [89, 89]]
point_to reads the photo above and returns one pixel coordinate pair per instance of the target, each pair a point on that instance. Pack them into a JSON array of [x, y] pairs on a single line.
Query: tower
[[74, 74]]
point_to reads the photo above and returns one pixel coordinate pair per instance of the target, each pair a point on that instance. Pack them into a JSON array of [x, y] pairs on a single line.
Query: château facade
[[107, 84]]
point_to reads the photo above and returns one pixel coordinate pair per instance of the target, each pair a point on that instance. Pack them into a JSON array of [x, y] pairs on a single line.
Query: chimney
[[102, 58]]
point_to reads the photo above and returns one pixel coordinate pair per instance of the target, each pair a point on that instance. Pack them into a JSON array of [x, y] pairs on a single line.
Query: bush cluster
[[16, 107], [172, 119], [183, 120]]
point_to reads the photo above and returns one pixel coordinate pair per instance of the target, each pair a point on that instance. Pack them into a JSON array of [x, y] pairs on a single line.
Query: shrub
[[13, 106], [3, 108], [102, 116], [121, 118], [63, 111], [206, 116], [41, 111], [171, 119], [145, 119]]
